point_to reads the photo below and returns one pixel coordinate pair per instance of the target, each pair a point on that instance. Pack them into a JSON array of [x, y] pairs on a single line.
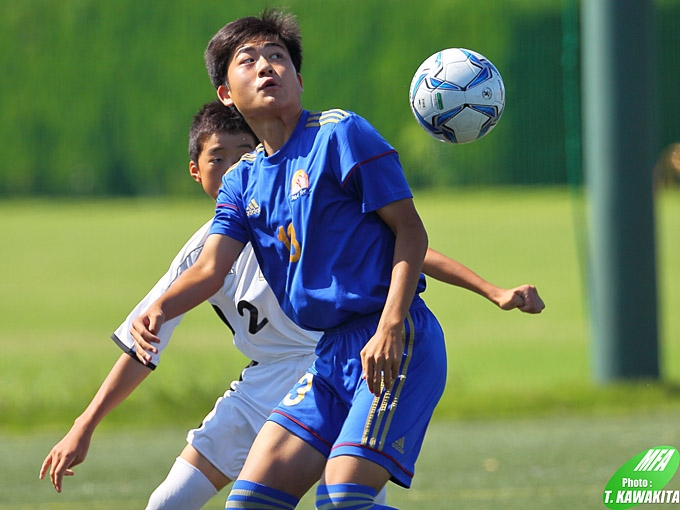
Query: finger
[[527, 306], [511, 299], [142, 355], [377, 382], [141, 338], [59, 477], [45, 465], [368, 366], [533, 302], [142, 333], [144, 345], [388, 380], [390, 374], [378, 377], [147, 346], [55, 478], [395, 372], [518, 300], [57, 473]]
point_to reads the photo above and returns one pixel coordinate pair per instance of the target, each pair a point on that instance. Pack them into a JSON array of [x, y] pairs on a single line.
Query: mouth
[[268, 83]]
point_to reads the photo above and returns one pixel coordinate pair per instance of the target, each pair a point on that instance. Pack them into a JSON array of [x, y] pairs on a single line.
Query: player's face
[[261, 75], [220, 151]]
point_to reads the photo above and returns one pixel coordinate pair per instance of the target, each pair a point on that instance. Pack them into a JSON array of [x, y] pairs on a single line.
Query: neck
[[274, 132]]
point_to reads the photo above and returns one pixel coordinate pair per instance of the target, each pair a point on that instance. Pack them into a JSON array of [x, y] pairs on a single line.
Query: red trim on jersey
[[230, 206], [364, 162]]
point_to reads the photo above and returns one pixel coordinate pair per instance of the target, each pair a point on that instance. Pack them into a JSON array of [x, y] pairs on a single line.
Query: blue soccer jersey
[[309, 211]]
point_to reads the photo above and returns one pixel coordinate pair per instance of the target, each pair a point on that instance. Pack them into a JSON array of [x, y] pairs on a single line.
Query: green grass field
[[556, 463], [519, 391]]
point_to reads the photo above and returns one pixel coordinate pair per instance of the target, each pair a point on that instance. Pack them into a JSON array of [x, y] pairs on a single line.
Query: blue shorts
[[332, 409]]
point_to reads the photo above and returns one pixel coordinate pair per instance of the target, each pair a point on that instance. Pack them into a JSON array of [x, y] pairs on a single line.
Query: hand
[[380, 360], [66, 454], [525, 298], [143, 332]]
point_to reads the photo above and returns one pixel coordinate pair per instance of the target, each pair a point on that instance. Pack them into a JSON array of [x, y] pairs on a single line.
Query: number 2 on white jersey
[[254, 325]]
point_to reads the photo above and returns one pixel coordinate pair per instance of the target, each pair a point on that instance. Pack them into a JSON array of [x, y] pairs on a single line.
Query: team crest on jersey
[[299, 185]]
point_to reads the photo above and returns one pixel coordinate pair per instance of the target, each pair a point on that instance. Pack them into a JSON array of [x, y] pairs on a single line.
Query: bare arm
[[447, 270], [194, 286], [381, 356], [125, 375]]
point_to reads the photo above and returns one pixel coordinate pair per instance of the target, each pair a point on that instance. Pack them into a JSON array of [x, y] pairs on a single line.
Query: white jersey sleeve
[[245, 303], [182, 261]]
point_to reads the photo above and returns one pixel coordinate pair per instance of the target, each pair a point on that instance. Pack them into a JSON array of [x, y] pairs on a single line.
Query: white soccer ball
[[457, 95]]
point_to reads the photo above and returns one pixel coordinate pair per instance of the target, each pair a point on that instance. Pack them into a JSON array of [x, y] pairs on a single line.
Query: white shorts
[[227, 432]]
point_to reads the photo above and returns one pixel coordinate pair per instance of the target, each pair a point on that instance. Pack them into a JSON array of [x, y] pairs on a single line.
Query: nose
[[264, 67]]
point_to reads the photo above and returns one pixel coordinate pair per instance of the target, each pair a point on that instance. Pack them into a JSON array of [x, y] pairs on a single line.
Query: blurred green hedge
[[96, 97]]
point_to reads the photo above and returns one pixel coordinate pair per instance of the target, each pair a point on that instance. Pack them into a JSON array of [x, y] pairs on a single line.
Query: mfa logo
[[642, 479]]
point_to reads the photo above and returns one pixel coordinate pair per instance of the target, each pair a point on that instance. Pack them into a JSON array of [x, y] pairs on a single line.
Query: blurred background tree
[[96, 97]]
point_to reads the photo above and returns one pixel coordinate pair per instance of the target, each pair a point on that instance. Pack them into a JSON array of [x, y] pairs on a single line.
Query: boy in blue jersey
[[325, 204]]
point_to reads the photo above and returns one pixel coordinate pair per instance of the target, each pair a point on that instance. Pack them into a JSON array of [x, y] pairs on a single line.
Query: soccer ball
[[457, 95]]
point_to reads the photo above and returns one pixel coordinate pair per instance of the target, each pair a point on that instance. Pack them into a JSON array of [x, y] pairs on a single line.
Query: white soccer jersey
[[245, 302]]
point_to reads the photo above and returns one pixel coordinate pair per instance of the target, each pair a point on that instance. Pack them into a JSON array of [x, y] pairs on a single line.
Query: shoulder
[[341, 124], [328, 117], [335, 120], [199, 237], [190, 251], [194, 243]]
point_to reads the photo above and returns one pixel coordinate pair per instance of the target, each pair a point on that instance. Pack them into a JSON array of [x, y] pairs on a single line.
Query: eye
[[245, 59]]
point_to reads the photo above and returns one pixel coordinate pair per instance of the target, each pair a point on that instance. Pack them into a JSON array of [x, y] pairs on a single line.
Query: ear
[[195, 172], [302, 89], [224, 95]]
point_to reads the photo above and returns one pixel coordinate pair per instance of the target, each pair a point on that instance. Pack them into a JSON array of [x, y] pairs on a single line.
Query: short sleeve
[[367, 166]]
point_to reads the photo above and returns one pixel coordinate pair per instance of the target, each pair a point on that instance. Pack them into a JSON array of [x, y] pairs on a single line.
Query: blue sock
[[245, 494], [348, 496]]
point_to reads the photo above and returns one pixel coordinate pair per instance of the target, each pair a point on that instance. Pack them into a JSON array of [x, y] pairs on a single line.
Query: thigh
[[281, 460]]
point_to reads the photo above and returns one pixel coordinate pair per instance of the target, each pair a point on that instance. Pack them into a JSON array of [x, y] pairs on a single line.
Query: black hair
[[214, 117], [271, 24]]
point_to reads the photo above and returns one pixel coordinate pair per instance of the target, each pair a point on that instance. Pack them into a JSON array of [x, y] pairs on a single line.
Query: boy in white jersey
[[324, 202], [215, 452]]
